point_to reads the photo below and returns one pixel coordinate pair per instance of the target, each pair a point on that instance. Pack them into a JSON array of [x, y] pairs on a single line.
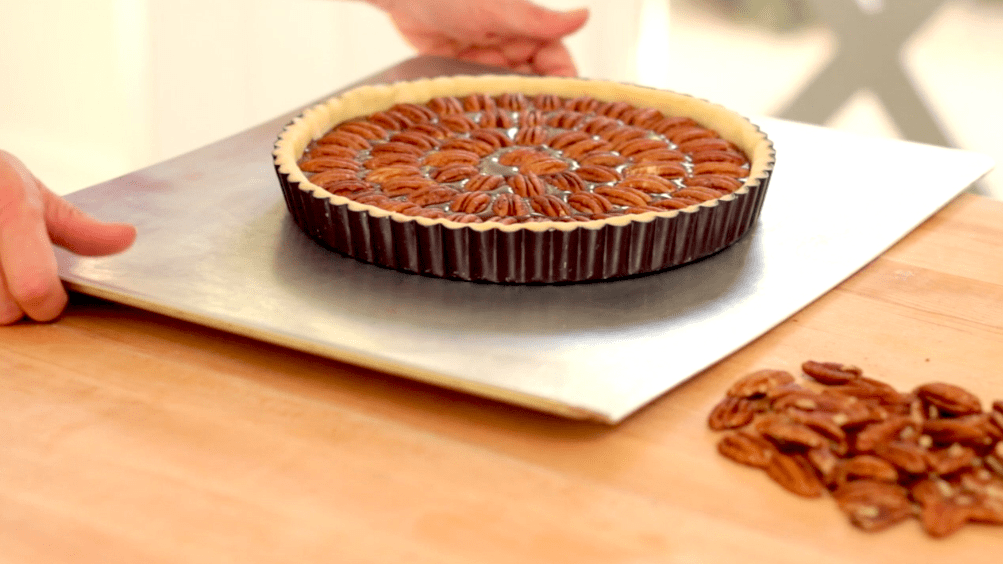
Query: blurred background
[[93, 90]]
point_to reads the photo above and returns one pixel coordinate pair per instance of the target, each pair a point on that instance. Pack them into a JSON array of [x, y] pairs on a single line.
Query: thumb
[[525, 18], [79, 233]]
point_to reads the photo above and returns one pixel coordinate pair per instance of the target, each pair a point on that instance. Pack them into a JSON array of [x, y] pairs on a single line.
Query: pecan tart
[[518, 179]]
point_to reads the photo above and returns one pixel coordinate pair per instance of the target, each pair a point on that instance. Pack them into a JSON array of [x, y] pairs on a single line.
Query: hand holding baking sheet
[[32, 220], [514, 34]]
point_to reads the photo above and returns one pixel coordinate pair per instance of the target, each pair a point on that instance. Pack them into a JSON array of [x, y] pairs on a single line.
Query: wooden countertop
[[131, 437]]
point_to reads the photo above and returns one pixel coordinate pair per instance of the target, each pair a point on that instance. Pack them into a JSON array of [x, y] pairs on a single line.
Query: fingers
[[522, 18], [553, 59], [503, 33], [30, 279], [31, 219], [80, 233], [9, 310]]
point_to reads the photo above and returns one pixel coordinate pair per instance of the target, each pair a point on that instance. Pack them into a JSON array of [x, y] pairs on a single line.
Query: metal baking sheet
[[217, 247]]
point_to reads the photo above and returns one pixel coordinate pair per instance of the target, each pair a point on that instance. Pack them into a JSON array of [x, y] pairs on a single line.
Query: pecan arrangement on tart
[[518, 179]]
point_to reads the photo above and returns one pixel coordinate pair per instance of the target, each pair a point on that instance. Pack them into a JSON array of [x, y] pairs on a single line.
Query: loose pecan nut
[[874, 505], [949, 398], [759, 383], [747, 448], [794, 474], [831, 372], [731, 413]]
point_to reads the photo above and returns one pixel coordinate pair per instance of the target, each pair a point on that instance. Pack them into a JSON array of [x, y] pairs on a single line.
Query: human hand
[[32, 220], [514, 34]]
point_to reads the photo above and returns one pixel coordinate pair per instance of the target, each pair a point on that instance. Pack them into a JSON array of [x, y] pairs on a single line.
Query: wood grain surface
[[130, 437]]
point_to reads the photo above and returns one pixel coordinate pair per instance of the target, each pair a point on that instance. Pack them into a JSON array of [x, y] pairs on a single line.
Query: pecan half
[[663, 169], [759, 383], [345, 139], [949, 398], [830, 373], [549, 205], [391, 159], [602, 158], [423, 141], [567, 181], [328, 177], [976, 430], [659, 156], [588, 202], [784, 431], [580, 149], [458, 123], [640, 145], [716, 167], [599, 174], [519, 155], [432, 195], [484, 182], [873, 505], [794, 474], [705, 144], [397, 147], [731, 413], [445, 105], [454, 173], [451, 157], [647, 183], [470, 202], [493, 137], [747, 448], [715, 181], [623, 196], [509, 205], [530, 135], [406, 185], [320, 164], [547, 165], [365, 129], [526, 185]]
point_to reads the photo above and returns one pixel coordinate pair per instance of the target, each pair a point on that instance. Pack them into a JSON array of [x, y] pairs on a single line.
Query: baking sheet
[[217, 247]]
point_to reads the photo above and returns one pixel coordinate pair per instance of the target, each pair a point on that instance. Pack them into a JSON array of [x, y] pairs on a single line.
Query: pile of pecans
[[884, 455]]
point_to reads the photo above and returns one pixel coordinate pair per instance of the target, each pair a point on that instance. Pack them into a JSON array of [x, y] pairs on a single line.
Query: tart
[[515, 179]]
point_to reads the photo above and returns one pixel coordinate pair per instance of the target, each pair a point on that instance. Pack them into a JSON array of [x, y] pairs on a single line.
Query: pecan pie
[[523, 179]]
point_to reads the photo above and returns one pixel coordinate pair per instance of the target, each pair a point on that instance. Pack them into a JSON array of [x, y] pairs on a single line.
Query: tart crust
[[523, 252]]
